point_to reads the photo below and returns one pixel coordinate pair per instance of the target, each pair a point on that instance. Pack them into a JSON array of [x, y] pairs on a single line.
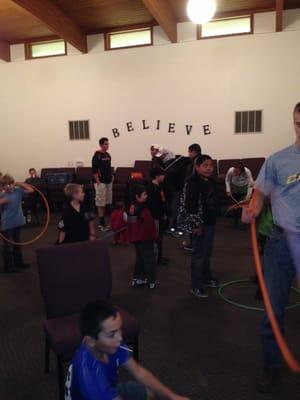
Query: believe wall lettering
[[170, 127]]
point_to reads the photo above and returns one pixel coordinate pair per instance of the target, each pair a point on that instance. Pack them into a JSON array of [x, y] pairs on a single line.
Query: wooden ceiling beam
[[59, 23], [163, 14], [279, 15], [4, 50]]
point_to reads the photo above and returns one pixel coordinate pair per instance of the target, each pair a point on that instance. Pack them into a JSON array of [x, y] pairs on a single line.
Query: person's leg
[[17, 250], [108, 196], [174, 209], [147, 253], [8, 252], [279, 273], [209, 235], [100, 200], [139, 271], [197, 262]]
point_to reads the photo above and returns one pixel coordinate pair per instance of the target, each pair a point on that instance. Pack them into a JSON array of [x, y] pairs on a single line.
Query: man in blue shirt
[[12, 219], [93, 373], [279, 180]]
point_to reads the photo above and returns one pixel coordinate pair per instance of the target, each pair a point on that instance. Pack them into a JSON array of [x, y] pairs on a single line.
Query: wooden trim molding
[[4, 50], [163, 14], [59, 23], [279, 15]]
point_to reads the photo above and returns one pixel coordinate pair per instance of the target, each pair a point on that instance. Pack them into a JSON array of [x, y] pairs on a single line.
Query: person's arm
[[3, 200], [26, 188], [257, 203], [228, 181], [95, 169], [145, 377], [61, 237]]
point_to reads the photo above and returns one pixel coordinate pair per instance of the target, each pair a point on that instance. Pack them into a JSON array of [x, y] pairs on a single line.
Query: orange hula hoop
[[43, 231], [286, 353]]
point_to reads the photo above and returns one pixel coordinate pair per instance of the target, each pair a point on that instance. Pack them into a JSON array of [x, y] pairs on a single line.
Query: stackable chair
[[71, 275]]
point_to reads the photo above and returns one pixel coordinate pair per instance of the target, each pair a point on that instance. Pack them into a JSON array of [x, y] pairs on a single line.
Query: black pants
[[160, 226], [145, 266], [12, 254]]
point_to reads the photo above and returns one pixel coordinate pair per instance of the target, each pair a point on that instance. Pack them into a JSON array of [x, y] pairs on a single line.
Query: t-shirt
[[11, 213], [156, 201], [239, 183], [101, 165], [279, 178], [91, 379], [75, 224]]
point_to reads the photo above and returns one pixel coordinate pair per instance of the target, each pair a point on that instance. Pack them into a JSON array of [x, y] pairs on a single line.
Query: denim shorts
[[132, 391]]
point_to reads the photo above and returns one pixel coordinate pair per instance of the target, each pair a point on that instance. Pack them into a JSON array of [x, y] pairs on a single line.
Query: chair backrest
[[123, 174], [254, 164], [73, 274]]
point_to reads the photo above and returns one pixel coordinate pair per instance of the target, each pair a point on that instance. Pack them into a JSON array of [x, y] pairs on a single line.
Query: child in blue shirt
[[12, 220], [93, 373]]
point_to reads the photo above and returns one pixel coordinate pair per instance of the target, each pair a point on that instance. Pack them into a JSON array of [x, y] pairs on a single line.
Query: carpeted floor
[[203, 348]]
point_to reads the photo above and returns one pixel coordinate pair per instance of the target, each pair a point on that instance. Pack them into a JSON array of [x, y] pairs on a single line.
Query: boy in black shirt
[[201, 209], [77, 222], [157, 205], [102, 172]]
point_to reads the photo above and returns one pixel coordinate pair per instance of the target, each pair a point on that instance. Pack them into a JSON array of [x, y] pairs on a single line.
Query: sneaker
[[103, 228], [213, 283], [199, 293], [177, 234], [188, 247], [153, 285], [139, 282], [269, 379], [170, 231]]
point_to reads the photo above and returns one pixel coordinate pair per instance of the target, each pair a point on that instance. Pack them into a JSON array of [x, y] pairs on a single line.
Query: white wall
[[192, 82]]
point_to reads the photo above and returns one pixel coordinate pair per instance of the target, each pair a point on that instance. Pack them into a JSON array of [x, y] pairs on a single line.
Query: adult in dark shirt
[[33, 178], [103, 177], [194, 151], [77, 222], [201, 209], [158, 207]]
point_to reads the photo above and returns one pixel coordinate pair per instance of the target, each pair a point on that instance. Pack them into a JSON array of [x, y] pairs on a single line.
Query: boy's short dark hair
[[154, 172], [239, 165], [195, 147], [92, 317], [31, 169], [200, 159], [103, 140], [297, 108], [138, 190]]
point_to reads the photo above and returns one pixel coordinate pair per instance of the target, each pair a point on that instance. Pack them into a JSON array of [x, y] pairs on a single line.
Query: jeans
[[279, 270], [12, 254], [175, 203], [201, 255], [145, 266]]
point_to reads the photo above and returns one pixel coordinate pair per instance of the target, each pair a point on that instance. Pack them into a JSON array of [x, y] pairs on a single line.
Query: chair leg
[[136, 349], [47, 356], [60, 377]]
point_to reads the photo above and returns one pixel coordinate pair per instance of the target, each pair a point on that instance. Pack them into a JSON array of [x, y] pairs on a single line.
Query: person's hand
[[228, 194], [197, 231], [177, 397], [92, 237]]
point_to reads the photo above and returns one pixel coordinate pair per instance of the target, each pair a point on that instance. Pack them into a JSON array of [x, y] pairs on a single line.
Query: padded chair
[[143, 166], [55, 190], [254, 164], [122, 176], [71, 275]]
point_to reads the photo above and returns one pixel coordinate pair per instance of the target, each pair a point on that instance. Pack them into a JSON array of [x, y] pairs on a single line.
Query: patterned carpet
[[203, 348]]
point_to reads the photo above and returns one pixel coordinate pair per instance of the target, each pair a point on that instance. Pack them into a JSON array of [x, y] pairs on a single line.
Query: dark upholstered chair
[[254, 164], [71, 275], [143, 166], [122, 176]]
